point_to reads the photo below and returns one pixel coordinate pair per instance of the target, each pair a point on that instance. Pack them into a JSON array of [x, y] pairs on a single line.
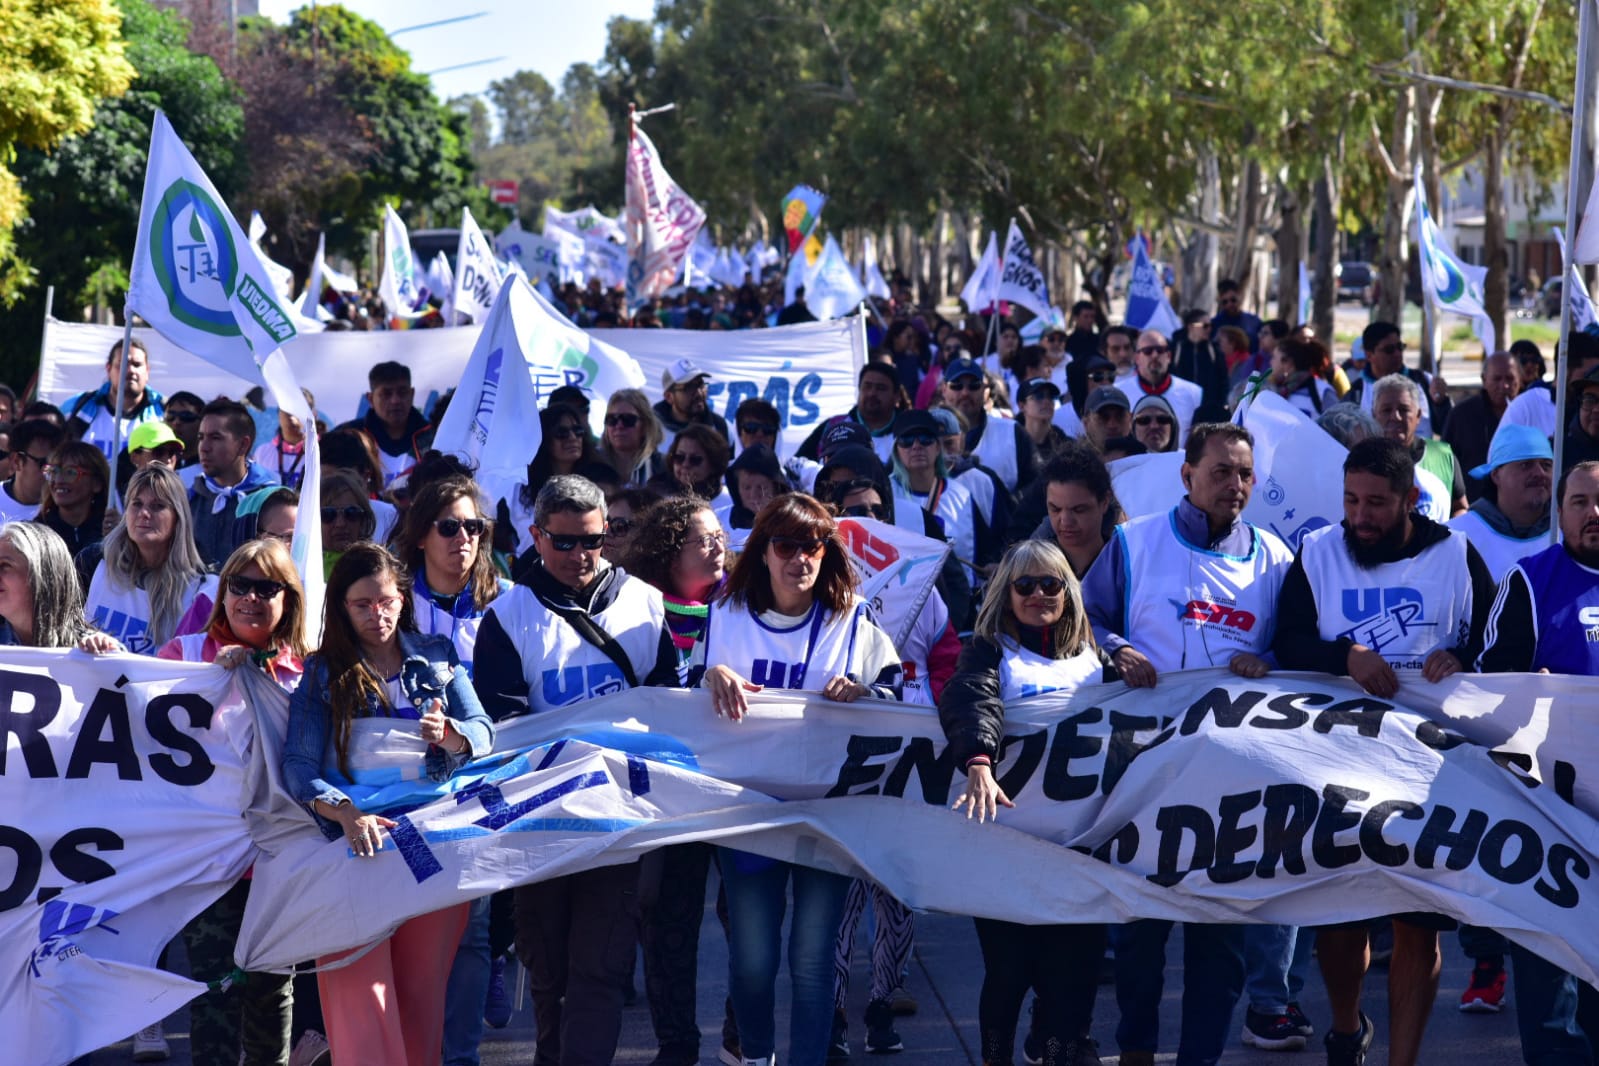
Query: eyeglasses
[[386, 606], [1153, 420], [263, 588], [182, 416], [1102, 375], [1154, 349], [281, 538], [695, 461], [449, 527], [619, 526], [866, 510], [566, 432], [626, 421], [709, 541], [788, 547], [1049, 586], [25, 456], [350, 513], [1589, 399], [64, 474], [565, 542], [963, 385], [916, 440], [757, 429]]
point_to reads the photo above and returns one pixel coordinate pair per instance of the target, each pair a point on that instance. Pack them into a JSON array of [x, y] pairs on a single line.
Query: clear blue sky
[[543, 35]]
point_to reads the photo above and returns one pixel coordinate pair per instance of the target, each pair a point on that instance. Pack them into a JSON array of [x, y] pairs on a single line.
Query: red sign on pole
[[503, 192]]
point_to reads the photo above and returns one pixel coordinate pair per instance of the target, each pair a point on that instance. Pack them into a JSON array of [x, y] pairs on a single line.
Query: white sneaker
[[310, 1050], [150, 1045], [770, 1060]]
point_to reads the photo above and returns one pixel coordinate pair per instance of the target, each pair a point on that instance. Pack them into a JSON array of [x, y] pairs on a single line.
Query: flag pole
[[993, 319], [1579, 120], [122, 388]]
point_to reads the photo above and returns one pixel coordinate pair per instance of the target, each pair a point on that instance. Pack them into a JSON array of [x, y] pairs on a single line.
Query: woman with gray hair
[[41, 600], [1032, 636], [149, 584]]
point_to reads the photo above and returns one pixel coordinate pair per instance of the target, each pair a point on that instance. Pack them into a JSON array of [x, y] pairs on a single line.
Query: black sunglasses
[[866, 510], [619, 526], [1049, 586], [688, 460], [24, 455], [1102, 375], [1154, 349], [562, 542], [350, 512], [758, 429], [263, 588], [910, 440], [1152, 420], [567, 432], [787, 547], [963, 385], [623, 420], [449, 527], [183, 416]]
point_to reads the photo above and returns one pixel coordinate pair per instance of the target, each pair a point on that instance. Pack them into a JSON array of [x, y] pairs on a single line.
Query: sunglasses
[[563, 542], [1102, 375], [183, 416], [566, 432], [963, 386], [350, 513], [263, 588], [788, 547], [915, 440], [1154, 349], [866, 510], [1049, 586], [625, 421], [449, 527], [1152, 420], [25, 456], [695, 461], [757, 429], [619, 526]]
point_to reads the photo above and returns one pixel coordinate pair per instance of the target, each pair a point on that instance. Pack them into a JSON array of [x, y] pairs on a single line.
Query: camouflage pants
[[253, 1014]]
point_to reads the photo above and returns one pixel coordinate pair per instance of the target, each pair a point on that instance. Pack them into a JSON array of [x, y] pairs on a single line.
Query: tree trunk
[[1324, 294], [1393, 264], [1495, 252], [1199, 253], [936, 258], [1290, 254], [1241, 264]]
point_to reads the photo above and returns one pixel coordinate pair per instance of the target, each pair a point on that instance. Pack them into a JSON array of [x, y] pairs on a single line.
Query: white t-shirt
[[14, 510]]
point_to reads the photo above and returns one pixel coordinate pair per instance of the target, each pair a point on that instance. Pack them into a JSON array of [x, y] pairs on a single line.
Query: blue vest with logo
[[1565, 611]]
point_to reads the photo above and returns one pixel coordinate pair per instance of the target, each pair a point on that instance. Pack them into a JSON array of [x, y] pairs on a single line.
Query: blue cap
[[948, 423], [1512, 444], [963, 368]]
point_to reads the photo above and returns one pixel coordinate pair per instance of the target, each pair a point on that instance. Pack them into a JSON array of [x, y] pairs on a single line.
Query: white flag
[[1020, 280], [762, 256], [588, 224], [1451, 284], [195, 276], [526, 350], [282, 276], [1306, 303], [1582, 313], [981, 290], [726, 270], [478, 274], [1147, 306], [1586, 247], [398, 287], [440, 278], [832, 291], [321, 276], [798, 277], [700, 262], [872, 279], [662, 222]]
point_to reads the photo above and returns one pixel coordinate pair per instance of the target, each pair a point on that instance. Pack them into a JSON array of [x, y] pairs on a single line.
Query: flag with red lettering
[[897, 569], [662, 222]]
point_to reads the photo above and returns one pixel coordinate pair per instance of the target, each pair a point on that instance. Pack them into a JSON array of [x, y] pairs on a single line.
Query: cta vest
[[1188, 607], [996, 449], [1498, 551], [1565, 611], [1024, 673], [560, 667], [1401, 610], [124, 612], [802, 657]]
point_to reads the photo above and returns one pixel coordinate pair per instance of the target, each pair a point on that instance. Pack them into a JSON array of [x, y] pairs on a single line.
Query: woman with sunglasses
[[347, 515], [789, 618], [921, 481], [631, 443], [697, 462], [148, 582], [75, 494], [1032, 636], [565, 448], [682, 551], [258, 622], [1155, 424], [624, 509], [374, 676]]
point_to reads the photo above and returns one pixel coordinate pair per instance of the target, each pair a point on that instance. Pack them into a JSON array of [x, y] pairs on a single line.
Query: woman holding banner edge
[[1032, 636]]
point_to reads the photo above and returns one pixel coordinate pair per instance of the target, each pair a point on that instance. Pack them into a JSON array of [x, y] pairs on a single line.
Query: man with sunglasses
[[686, 401], [1197, 357], [1152, 360], [183, 416], [1000, 444], [1230, 312], [1385, 355], [31, 445], [572, 628], [877, 401], [89, 415]]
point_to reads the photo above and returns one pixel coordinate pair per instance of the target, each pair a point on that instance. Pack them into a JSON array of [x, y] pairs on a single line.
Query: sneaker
[[1271, 1032], [881, 1039], [1486, 994], [770, 1060], [150, 1045], [1032, 1051], [1302, 1024], [1349, 1049], [730, 1055], [311, 1050], [902, 1001], [674, 1055], [497, 1009], [838, 1040]]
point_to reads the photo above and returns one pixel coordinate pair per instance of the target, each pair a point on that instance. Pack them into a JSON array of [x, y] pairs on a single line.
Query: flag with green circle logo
[[1450, 284]]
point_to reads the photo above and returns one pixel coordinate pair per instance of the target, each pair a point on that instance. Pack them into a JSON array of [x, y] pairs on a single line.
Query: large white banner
[[1293, 799]]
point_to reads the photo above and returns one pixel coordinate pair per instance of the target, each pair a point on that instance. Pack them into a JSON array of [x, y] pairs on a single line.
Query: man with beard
[[1000, 444], [1154, 378], [1511, 519], [686, 388], [1421, 594]]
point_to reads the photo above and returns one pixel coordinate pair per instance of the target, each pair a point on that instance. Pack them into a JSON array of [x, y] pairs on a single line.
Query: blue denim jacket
[[430, 670]]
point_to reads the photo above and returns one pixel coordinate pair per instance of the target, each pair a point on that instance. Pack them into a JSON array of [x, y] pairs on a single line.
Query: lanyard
[[810, 645]]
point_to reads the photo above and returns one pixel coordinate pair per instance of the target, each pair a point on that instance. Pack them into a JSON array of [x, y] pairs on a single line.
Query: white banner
[[554, 257], [1020, 280], [807, 372], [478, 274]]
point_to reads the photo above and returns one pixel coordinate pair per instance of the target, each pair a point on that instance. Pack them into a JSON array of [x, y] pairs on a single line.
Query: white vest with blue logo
[[460, 625], [124, 612], [804, 656], [954, 511], [1024, 673], [1498, 551], [560, 667], [1187, 607], [1401, 610]]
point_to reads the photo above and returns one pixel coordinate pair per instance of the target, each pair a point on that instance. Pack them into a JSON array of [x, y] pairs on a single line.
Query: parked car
[[1357, 280]]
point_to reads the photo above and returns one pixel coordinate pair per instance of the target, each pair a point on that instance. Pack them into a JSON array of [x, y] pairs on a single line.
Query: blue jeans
[[468, 989], [1213, 978], [757, 895], [1557, 1014], [1275, 959]]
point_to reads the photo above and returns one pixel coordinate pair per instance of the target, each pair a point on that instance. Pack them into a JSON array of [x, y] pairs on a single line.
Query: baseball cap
[[841, 434], [963, 368], [681, 372], [1512, 444], [948, 423], [1106, 396], [917, 422], [152, 435], [1033, 386]]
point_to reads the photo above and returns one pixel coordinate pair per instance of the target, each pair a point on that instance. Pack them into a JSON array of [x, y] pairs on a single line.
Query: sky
[[543, 35]]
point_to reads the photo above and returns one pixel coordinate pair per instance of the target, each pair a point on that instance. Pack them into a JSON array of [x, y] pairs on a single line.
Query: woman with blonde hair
[[631, 443], [149, 584], [1032, 636]]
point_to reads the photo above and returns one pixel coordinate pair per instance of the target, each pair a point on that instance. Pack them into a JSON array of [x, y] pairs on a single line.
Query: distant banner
[[1294, 799]]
